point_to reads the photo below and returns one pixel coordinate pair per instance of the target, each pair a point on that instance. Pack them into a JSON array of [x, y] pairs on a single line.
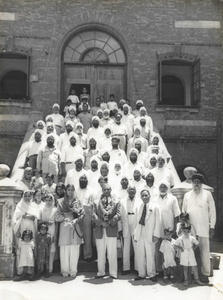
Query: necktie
[[143, 216]]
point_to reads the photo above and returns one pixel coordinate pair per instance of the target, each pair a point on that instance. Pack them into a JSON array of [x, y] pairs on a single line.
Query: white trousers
[[204, 246], [109, 244], [127, 246], [69, 255], [145, 256]]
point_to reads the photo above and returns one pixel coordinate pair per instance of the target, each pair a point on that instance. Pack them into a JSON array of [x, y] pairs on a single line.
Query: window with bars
[[179, 83]]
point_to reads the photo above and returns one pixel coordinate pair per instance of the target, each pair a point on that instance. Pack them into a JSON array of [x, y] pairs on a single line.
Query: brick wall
[[145, 28]]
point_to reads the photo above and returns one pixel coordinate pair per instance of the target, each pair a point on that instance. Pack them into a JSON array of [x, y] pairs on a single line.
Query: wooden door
[[104, 80]]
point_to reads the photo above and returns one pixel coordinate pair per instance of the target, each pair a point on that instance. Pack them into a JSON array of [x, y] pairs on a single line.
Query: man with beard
[[85, 194], [74, 174], [92, 151], [128, 120], [135, 112], [152, 161], [117, 154], [69, 153], [142, 156], [33, 150], [153, 190], [48, 159], [128, 222], [106, 121], [169, 212], [64, 139], [82, 137], [120, 130], [162, 172], [137, 181], [121, 188], [106, 216], [132, 164], [200, 206], [95, 131]]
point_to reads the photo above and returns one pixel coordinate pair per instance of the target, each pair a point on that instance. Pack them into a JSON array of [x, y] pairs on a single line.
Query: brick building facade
[[139, 50]]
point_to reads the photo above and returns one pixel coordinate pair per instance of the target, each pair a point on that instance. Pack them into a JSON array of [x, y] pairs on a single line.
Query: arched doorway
[[94, 59]]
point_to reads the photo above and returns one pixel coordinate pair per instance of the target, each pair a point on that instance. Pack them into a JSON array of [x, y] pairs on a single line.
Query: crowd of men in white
[[103, 175]]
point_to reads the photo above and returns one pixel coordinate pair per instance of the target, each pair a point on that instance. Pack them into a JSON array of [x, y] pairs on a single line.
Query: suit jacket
[[152, 222], [112, 229], [124, 215]]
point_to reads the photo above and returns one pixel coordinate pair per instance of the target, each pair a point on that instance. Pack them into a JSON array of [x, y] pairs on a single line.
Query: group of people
[[101, 179]]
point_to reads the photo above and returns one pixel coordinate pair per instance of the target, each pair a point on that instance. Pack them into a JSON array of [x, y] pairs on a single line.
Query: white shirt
[[73, 177], [169, 210], [201, 210], [69, 153]]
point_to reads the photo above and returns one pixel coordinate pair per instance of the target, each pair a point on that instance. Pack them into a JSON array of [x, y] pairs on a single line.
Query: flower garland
[[107, 209]]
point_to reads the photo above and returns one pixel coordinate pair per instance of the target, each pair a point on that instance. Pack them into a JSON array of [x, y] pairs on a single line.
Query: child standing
[[43, 249], [37, 180], [26, 258], [168, 251], [50, 187], [187, 244]]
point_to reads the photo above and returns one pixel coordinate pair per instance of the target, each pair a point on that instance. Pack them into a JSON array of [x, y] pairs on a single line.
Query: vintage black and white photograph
[[111, 149]]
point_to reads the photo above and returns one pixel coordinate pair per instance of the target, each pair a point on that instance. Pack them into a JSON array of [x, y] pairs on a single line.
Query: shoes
[[165, 279], [154, 279], [99, 276], [32, 277], [113, 277], [125, 272], [198, 282], [47, 275], [186, 283], [204, 279], [73, 275], [64, 274], [138, 278], [172, 279], [20, 277]]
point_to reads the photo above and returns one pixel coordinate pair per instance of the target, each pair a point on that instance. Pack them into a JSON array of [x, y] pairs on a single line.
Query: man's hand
[[155, 239], [104, 224], [211, 232]]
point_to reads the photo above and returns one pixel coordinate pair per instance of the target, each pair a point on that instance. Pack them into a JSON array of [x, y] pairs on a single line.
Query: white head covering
[[95, 157], [40, 131], [132, 150], [96, 118], [79, 124], [72, 107], [56, 105], [73, 134], [70, 123], [139, 101], [79, 156]]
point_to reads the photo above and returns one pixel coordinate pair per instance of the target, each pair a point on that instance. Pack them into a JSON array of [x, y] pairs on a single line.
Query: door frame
[[62, 81]]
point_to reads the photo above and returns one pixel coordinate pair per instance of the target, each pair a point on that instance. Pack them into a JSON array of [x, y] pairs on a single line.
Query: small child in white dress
[[187, 244], [168, 251], [26, 258]]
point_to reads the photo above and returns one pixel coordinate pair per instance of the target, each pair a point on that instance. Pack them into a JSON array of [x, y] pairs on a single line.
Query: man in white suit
[[128, 221], [146, 234]]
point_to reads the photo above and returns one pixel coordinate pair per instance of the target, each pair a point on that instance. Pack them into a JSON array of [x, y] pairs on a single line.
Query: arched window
[[94, 46], [172, 90], [179, 80], [14, 85]]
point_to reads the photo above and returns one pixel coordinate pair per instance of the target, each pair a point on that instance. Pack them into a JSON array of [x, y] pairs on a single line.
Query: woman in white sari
[[25, 218]]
